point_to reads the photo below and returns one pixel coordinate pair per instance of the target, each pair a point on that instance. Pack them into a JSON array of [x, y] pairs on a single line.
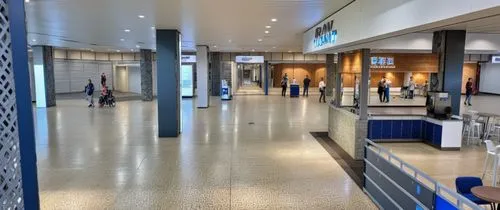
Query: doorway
[[249, 79]]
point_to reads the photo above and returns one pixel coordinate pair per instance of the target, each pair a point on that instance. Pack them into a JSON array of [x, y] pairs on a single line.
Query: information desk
[[442, 134]]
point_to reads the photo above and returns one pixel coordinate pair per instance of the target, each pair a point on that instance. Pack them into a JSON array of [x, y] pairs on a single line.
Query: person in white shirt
[[411, 88], [322, 90], [294, 81]]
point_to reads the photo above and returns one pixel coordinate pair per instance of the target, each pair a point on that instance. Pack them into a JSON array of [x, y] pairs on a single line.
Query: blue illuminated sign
[[325, 35]]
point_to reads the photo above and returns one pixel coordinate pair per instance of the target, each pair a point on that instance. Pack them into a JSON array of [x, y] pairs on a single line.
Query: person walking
[[103, 79], [284, 84], [411, 88], [468, 92], [89, 91], [322, 90], [381, 90], [306, 82]]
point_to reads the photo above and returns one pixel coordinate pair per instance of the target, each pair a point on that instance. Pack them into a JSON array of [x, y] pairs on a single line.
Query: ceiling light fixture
[[34, 40], [266, 32], [274, 47], [117, 50], [260, 40], [127, 30], [253, 50], [122, 40], [132, 50], [152, 27], [27, 1], [137, 46], [141, 16], [268, 26], [230, 41], [274, 20], [215, 46]]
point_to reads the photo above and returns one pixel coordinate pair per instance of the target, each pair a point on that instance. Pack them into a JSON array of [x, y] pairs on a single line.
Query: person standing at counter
[[468, 92], [387, 90], [306, 82], [381, 89], [411, 88], [322, 90]]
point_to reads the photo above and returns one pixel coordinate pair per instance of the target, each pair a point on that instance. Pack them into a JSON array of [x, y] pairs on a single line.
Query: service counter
[[349, 131]]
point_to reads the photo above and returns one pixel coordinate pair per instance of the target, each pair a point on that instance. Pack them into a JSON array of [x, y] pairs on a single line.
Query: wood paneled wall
[[351, 62], [299, 72], [410, 62]]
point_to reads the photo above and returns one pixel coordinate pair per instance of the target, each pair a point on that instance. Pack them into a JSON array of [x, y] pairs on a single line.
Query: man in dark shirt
[[468, 92], [306, 82]]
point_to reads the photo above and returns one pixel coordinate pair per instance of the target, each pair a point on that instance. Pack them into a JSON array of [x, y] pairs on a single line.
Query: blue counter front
[[443, 134], [294, 90]]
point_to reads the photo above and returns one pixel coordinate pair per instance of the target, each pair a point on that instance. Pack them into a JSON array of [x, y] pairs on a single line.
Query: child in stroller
[[106, 98]]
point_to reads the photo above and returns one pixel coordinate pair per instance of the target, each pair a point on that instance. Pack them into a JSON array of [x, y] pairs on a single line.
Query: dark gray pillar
[[266, 78], [450, 47], [331, 69], [338, 81], [168, 54], [43, 61], [146, 75], [216, 58], [364, 85]]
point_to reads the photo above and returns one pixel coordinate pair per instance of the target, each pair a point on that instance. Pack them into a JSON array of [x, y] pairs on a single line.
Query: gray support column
[[338, 81], [364, 85], [202, 77], [146, 74], [450, 47], [168, 59], [331, 69], [216, 58], [266, 78], [18, 154], [43, 61]]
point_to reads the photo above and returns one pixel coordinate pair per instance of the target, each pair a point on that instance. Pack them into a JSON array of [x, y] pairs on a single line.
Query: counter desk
[[442, 134]]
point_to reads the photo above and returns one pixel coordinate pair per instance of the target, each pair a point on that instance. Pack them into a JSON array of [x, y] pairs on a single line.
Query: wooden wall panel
[[299, 72], [410, 62], [351, 63]]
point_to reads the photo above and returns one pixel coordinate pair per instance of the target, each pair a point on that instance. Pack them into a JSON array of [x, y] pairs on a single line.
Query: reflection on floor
[[111, 158], [444, 166], [120, 96]]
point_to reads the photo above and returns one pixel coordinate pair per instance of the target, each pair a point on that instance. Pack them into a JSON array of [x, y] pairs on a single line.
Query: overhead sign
[[325, 34], [495, 59], [188, 58], [249, 59], [382, 62]]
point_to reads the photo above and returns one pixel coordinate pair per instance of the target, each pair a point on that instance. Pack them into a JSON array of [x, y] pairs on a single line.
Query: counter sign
[[325, 35]]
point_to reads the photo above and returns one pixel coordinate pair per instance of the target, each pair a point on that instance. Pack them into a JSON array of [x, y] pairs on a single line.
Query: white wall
[[72, 75], [368, 20], [134, 79], [490, 73], [121, 79]]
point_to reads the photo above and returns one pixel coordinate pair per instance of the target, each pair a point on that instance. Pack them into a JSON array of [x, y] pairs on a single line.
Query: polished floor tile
[[254, 152]]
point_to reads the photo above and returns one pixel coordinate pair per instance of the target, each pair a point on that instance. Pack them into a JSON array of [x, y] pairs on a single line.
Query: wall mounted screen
[[187, 80]]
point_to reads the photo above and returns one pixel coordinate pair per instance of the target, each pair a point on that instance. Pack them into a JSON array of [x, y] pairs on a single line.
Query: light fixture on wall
[[141, 16]]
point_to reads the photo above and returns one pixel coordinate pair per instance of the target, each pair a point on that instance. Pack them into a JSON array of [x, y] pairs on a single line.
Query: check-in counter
[[442, 134]]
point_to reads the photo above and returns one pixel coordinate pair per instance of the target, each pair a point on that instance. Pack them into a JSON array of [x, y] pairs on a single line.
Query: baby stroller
[[107, 100]]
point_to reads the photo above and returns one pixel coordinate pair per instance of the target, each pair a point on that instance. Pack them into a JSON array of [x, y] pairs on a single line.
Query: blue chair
[[464, 186]]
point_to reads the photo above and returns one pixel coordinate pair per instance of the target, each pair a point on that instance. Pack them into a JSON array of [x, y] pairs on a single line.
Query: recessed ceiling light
[[127, 30], [274, 47], [266, 32], [122, 40], [34, 40], [268, 26], [132, 50], [274, 20], [141, 16], [260, 40], [117, 50], [27, 1], [215, 46], [137, 46], [230, 41], [253, 50], [152, 27]]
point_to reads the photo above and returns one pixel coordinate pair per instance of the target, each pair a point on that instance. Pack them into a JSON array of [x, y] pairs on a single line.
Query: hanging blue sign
[[325, 35]]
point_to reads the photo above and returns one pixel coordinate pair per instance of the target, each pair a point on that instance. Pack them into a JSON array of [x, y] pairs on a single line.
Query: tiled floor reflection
[[111, 158]]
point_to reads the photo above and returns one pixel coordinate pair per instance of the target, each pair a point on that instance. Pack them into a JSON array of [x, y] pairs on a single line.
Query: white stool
[[494, 152], [472, 128]]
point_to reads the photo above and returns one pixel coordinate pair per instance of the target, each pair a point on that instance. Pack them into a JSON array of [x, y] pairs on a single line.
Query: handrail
[[438, 187]]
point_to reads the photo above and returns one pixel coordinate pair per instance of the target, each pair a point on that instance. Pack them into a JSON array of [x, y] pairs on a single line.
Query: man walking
[[306, 82], [89, 91], [322, 90], [468, 92]]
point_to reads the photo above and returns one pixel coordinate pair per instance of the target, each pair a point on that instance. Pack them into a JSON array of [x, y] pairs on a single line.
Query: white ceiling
[[231, 25]]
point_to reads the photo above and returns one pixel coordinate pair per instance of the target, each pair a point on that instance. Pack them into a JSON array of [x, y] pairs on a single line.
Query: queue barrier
[[394, 184]]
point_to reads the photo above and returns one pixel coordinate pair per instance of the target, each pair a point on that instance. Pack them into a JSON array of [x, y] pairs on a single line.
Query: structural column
[[450, 47], [331, 69], [338, 81], [18, 154], [266, 77], [146, 74], [203, 99], [168, 58], [364, 86], [216, 72], [43, 62]]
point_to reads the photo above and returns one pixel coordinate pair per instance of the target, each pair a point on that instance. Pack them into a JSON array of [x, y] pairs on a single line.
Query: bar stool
[[493, 152], [472, 128]]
